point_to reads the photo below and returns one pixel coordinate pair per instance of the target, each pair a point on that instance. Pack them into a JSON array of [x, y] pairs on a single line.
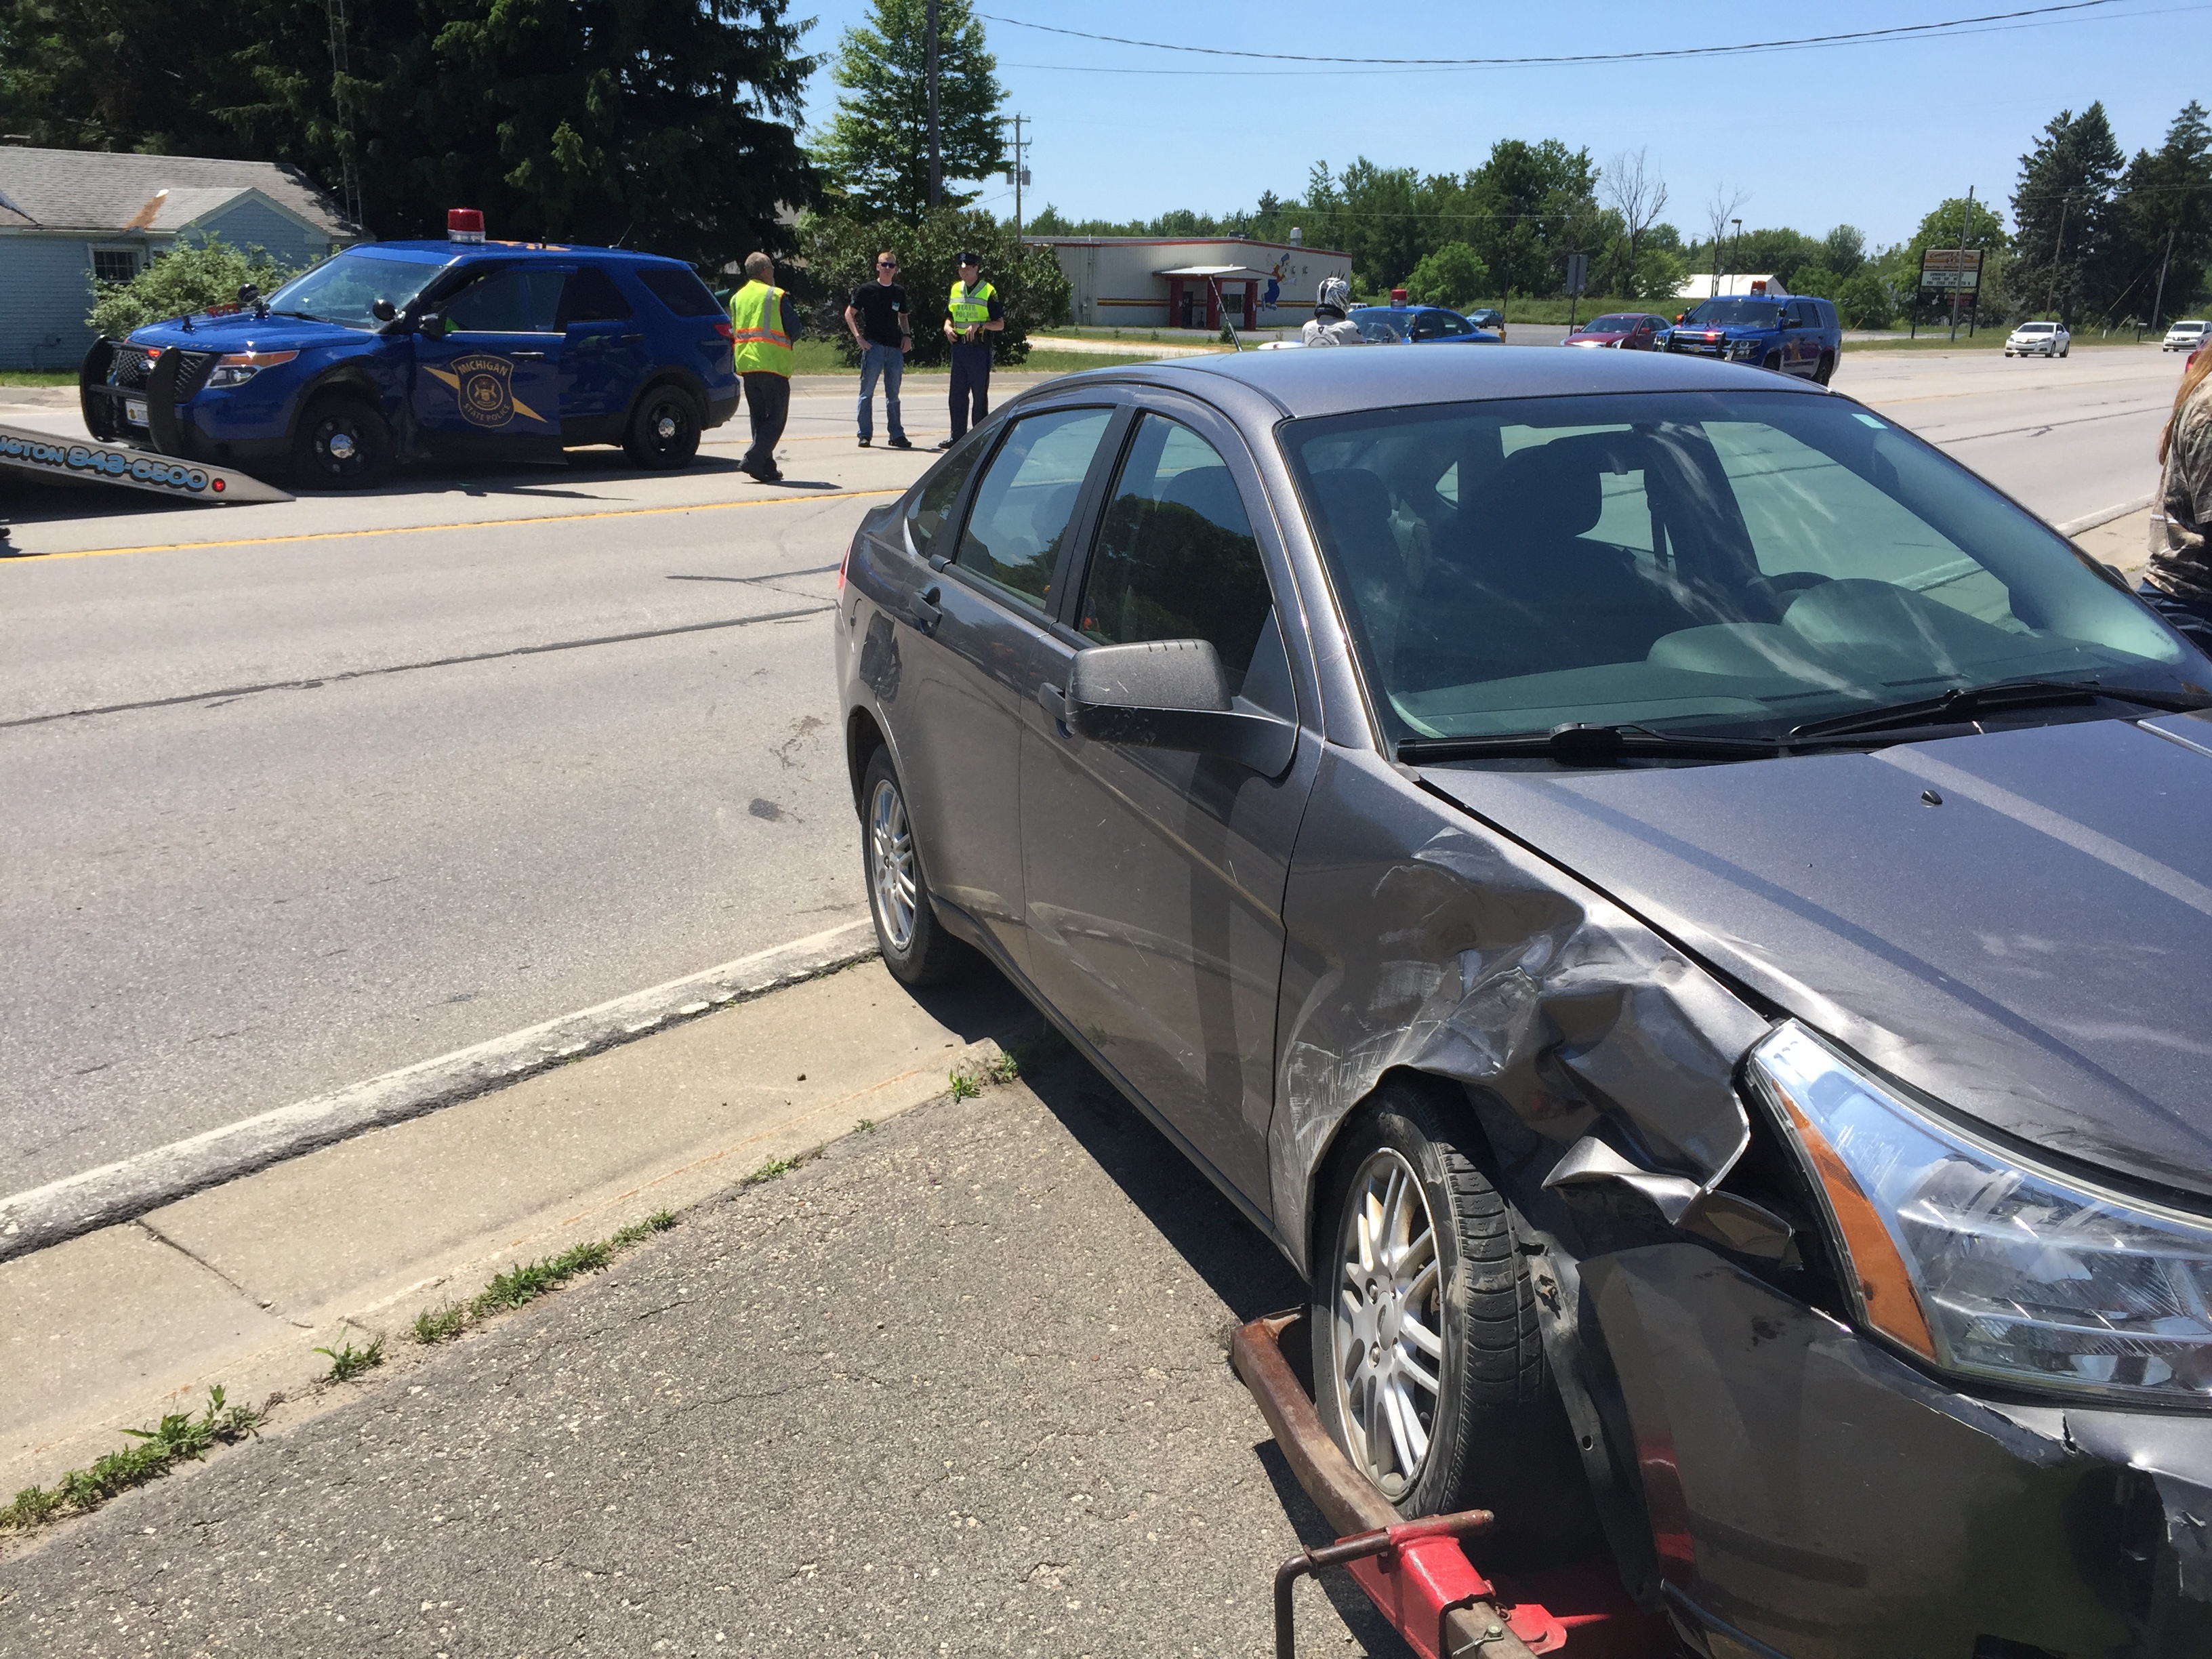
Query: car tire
[[1826, 371], [1496, 1435], [2068, 347], [341, 443], [664, 428], [916, 946]]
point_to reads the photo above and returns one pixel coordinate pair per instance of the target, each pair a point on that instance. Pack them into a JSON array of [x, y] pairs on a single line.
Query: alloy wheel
[[1389, 1322], [891, 864]]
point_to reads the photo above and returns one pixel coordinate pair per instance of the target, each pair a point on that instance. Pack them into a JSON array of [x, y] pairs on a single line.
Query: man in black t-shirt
[[883, 328]]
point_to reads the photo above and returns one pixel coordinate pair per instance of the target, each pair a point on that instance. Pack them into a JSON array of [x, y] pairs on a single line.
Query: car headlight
[[1745, 349], [237, 367], [1983, 1263]]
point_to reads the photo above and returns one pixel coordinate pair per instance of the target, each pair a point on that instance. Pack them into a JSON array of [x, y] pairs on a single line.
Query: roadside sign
[[45, 455], [1952, 270], [1577, 271]]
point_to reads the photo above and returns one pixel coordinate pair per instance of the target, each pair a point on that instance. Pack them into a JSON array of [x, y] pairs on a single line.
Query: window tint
[[1450, 322], [1026, 498], [511, 301], [927, 510], [1175, 557], [591, 297], [678, 287]]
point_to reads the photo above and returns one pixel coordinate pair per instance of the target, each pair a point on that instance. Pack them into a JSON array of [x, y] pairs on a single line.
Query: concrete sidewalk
[[238, 1284], [958, 1387]]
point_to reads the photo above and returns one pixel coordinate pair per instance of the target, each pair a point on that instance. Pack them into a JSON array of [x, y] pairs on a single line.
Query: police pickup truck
[[394, 351], [1790, 333]]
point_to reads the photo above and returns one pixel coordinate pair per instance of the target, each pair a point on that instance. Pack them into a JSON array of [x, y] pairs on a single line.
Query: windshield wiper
[[1587, 745], [1969, 702]]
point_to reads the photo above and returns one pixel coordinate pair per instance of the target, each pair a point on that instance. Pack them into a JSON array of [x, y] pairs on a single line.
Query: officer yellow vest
[[968, 309], [756, 329]]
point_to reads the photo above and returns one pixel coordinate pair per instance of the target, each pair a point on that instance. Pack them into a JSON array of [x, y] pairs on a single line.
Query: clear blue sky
[[1874, 134]]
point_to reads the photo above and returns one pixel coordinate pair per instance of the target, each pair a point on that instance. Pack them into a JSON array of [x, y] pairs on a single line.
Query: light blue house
[[67, 215]]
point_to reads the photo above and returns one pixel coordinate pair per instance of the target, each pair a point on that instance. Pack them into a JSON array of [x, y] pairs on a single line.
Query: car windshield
[[1611, 325], [1736, 314], [341, 290], [1380, 325], [2036, 328], [1732, 564]]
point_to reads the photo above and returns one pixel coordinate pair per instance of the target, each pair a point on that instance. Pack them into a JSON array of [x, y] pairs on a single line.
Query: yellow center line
[[473, 524]]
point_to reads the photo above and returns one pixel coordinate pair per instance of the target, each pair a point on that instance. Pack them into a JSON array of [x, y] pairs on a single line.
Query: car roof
[[1305, 383], [528, 251]]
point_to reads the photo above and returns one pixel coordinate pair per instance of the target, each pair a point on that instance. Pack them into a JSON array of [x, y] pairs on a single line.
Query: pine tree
[[2165, 220], [2062, 214], [877, 149]]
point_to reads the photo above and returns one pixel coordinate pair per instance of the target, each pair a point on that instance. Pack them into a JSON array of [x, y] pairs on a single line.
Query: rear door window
[[1175, 557], [1025, 499], [928, 508], [592, 297]]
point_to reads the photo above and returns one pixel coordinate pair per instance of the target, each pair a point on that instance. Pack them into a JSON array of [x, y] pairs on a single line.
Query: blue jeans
[[890, 362], [2192, 618]]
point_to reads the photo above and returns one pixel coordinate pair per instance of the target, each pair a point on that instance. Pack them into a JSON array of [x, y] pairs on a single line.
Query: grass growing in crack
[[348, 1362], [970, 1077], [181, 1438], [520, 1286], [964, 1086], [771, 1169]]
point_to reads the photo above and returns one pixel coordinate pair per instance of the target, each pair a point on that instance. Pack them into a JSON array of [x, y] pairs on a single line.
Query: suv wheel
[[916, 949], [1428, 1367], [1826, 371], [664, 433], [341, 443]]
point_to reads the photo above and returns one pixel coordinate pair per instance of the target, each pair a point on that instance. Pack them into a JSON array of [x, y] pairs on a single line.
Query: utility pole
[[1018, 174], [349, 177], [936, 172], [2059, 251], [2157, 304], [1965, 222], [1735, 250]]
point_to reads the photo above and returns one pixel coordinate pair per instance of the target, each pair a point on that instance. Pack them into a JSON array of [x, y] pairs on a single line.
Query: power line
[[1901, 31]]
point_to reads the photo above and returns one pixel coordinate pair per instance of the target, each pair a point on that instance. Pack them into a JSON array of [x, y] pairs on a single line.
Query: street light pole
[[936, 172]]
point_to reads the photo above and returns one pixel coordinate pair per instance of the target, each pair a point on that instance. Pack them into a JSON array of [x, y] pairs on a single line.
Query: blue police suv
[[1788, 333], [396, 351]]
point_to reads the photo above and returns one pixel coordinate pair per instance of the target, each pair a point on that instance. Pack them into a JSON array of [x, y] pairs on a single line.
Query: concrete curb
[[122, 1191], [2103, 515]]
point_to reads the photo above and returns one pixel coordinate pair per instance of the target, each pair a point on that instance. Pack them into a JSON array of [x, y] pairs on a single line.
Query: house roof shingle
[[112, 191]]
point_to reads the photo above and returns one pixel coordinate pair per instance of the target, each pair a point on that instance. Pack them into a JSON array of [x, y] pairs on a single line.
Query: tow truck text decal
[[156, 471]]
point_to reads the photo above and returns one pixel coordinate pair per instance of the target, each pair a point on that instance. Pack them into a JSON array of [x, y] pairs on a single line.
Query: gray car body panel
[[1588, 956]]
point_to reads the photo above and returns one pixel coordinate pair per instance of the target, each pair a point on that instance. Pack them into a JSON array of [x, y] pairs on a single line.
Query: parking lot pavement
[[958, 1387]]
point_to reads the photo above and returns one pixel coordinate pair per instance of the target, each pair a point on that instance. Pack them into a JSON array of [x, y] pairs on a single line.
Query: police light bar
[[464, 224]]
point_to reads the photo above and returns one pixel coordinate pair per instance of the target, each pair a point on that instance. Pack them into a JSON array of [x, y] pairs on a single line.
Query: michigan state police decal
[[484, 386]]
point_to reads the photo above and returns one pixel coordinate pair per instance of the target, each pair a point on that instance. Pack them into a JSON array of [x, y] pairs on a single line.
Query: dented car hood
[[2017, 923]]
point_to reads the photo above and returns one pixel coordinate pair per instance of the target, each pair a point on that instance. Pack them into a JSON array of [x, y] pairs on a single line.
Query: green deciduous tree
[[841, 250], [663, 123], [1454, 275], [875, 148], [1863, 301], [188, 278]]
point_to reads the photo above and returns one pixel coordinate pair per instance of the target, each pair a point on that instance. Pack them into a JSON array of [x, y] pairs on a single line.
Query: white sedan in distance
[[2038, 340], [2185, 336]]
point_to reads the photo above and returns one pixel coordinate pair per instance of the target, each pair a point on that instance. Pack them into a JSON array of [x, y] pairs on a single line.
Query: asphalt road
[[880, 1407], [378, 778]]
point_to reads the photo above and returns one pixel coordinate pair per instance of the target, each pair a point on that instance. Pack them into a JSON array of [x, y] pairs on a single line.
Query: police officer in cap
[[972, 313]]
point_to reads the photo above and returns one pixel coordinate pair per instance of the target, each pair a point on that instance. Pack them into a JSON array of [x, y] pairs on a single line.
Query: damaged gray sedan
[[1681, 911]]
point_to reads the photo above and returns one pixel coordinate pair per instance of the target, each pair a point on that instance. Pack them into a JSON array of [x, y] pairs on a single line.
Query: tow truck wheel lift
[[1416, 1572]]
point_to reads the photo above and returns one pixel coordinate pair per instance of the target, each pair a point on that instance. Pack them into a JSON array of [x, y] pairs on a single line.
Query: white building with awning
[[1165, 282]]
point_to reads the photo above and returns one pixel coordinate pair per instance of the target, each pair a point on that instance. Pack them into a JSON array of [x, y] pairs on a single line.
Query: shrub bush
[[187, 279], [839, 254]]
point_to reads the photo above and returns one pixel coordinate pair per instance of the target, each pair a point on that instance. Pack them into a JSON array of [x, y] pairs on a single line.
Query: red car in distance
[[1630, 330]]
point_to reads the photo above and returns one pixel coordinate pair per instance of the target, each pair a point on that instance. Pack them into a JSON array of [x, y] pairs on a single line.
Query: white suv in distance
[[2185, 336], [2039, 339]]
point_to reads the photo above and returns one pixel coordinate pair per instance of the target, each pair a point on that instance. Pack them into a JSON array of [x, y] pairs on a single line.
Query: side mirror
[[1171, 694], [432, 327], [382, 309], [248, 294]]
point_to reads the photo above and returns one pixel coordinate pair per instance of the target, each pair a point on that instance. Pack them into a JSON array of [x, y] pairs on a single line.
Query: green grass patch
[[348, 1362], [519, 1287], [774, 1170], [38, 377], [181, 1438]]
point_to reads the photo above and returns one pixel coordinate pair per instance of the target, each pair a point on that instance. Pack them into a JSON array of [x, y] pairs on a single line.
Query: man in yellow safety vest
[[763, 322], [971, 312]]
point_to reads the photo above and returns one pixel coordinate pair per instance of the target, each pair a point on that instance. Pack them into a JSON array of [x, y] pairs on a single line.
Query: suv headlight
[[237, 367], [1744, 349], [1983, 1263]]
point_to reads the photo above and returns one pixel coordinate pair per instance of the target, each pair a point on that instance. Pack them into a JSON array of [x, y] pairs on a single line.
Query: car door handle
[[1055, 702], [631, 339], [537, 355], [922, 609]]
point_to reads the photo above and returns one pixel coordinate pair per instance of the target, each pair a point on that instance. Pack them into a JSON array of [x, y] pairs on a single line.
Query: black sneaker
[[864, 443], [945, 443], [899, 443]]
